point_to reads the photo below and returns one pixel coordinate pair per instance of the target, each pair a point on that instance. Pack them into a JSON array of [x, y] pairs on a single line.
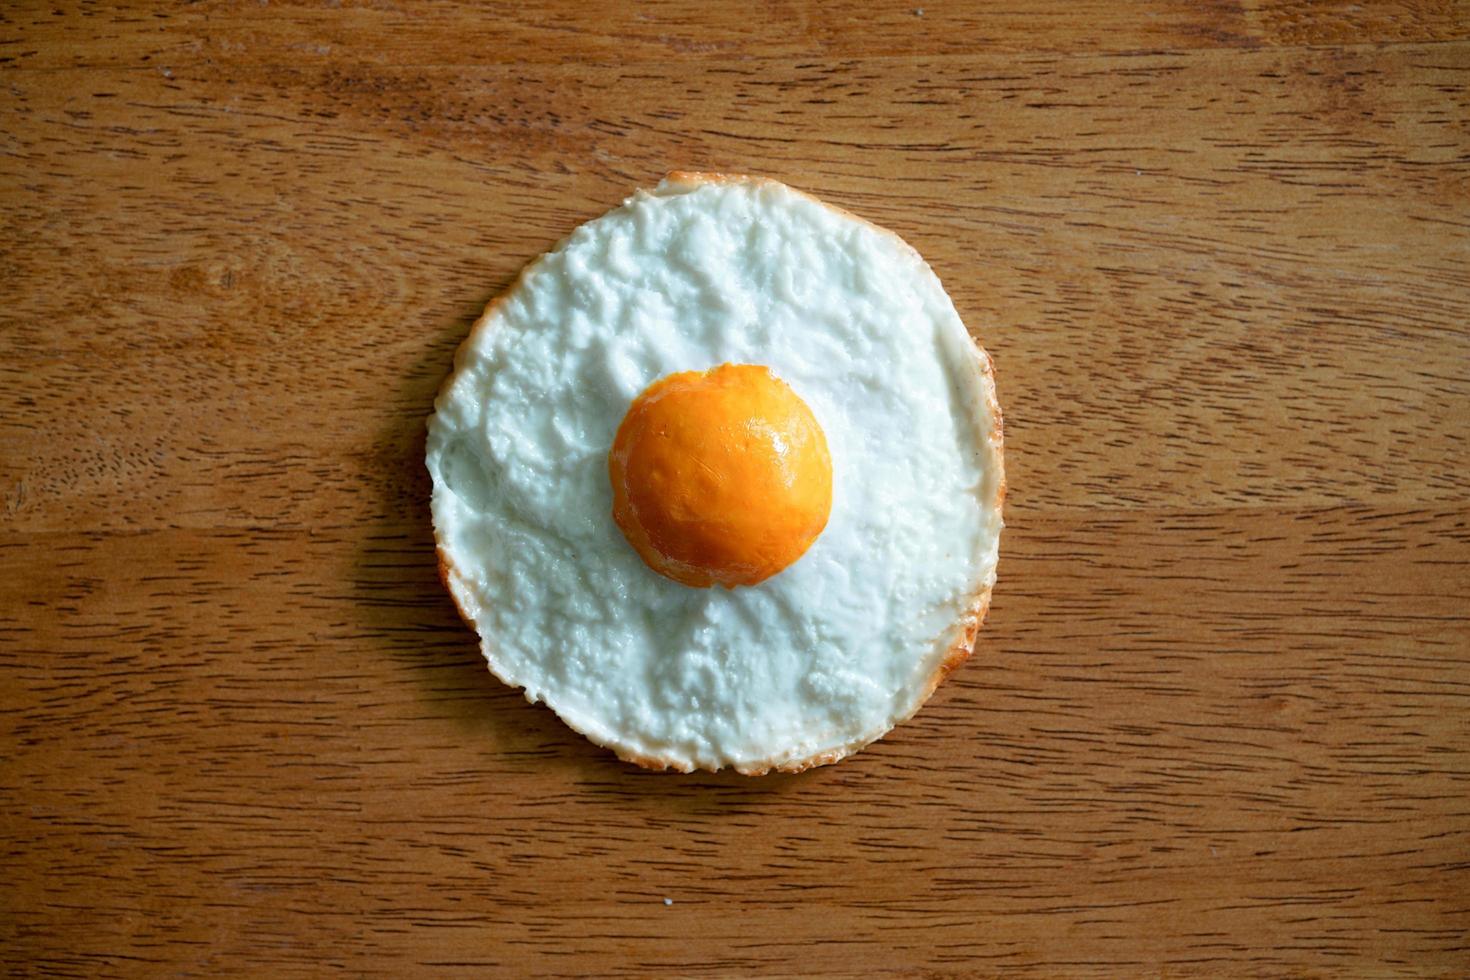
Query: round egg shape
[[806, 662]]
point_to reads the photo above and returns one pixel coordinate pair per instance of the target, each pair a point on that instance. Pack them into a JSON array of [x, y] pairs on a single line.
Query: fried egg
[[719, 479]]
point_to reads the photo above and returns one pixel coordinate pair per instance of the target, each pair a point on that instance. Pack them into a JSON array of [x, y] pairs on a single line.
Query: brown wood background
[[1219, 722]]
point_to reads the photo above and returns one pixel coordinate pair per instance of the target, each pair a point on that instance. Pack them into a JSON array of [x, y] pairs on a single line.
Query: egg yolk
[[720, 476]]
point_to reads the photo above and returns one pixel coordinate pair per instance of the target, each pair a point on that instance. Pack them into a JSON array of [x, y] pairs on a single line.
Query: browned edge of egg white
[[970, 621]]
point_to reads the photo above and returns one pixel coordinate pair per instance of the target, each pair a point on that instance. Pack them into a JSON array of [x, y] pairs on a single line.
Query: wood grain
[[1218, 724], [451, 32]]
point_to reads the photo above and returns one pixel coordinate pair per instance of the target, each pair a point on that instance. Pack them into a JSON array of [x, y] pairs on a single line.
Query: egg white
[[833, 651]]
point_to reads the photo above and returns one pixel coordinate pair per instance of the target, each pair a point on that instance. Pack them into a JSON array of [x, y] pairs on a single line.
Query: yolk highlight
[[720, 476]]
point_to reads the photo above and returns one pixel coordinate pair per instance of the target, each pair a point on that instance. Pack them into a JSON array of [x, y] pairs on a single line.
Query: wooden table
[[1218, 723]]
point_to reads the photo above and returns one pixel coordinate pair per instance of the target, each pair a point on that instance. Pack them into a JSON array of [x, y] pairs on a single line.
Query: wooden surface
[[1218, 723]]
